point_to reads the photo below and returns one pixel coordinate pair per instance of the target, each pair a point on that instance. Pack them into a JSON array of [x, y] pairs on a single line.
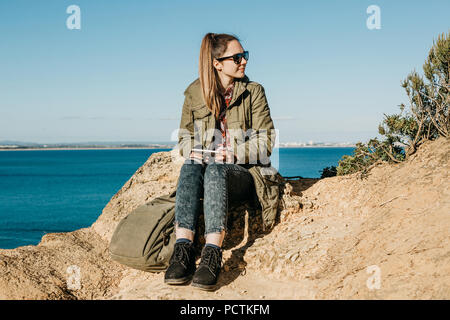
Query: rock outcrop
[[386, 236]]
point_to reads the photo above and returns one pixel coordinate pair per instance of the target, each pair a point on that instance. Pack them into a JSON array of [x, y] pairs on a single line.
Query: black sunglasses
[[237, 58]]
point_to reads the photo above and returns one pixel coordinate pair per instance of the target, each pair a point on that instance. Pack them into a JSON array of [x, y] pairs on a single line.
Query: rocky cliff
[[386, 236]]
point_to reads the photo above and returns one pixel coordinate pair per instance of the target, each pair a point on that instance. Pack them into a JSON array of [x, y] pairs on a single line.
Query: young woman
[[226, 113]]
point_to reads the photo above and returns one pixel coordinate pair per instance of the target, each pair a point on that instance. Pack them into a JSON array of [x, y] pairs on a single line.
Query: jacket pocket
[[201, 117], [200, 112]]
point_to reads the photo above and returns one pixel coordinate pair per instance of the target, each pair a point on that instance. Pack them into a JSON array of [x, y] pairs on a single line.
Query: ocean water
[[44, 191]]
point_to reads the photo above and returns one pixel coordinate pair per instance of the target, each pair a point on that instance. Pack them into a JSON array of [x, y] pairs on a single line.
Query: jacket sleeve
[[261, 136], [186, 130]]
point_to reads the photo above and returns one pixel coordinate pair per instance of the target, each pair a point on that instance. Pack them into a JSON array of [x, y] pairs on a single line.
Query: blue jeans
[[219, 184]]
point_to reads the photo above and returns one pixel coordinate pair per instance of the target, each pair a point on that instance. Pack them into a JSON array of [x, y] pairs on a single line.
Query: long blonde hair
[[213, 46]]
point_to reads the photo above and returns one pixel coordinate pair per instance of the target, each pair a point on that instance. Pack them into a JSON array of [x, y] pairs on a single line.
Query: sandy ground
[[386, 236]]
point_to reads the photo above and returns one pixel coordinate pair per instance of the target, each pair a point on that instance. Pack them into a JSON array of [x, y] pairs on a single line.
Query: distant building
[[8, 146]]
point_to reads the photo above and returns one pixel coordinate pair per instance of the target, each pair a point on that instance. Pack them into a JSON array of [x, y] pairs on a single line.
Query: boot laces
[[181, 254], [211, 258]]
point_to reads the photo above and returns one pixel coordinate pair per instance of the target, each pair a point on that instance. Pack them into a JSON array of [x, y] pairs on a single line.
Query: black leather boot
[[182, 264], [209, 268]]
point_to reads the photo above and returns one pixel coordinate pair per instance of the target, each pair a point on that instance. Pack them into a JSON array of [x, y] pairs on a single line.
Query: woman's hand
[[196, 156], [225, 155], [200, 157]]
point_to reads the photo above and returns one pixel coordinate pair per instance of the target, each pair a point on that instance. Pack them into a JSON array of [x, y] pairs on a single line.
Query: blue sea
[[44, 191]]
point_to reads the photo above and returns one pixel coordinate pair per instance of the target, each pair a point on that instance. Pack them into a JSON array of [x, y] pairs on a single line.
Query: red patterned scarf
[[222, 121]]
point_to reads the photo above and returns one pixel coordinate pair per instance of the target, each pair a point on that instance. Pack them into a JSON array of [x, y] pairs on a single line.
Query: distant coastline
[[166, 147], [10, 145], [18, 146], [117, 146], [81, 148]]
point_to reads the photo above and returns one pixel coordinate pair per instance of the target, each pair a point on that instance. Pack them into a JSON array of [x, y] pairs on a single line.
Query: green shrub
[[328, 172], [425, 118]]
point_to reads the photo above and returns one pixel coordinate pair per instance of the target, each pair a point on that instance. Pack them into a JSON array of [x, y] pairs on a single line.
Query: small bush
[[425, 118], [328, 172]]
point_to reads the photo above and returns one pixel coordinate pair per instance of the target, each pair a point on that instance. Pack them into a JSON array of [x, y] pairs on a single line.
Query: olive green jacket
[[252, 137]]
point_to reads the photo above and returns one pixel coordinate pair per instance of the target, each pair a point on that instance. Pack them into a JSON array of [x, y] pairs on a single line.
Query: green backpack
[[145, 238]]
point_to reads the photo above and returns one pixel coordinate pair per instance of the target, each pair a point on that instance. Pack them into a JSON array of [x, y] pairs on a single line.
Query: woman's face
[[228, 67]]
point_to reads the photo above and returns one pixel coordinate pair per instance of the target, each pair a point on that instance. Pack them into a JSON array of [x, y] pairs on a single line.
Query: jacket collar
[[195, 91], [240, 85]]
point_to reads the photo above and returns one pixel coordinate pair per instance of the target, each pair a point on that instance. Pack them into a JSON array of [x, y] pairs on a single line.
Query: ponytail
[[213, 46]]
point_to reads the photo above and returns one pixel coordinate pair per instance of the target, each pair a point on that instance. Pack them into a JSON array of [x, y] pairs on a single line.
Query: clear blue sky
[[122, 76]]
